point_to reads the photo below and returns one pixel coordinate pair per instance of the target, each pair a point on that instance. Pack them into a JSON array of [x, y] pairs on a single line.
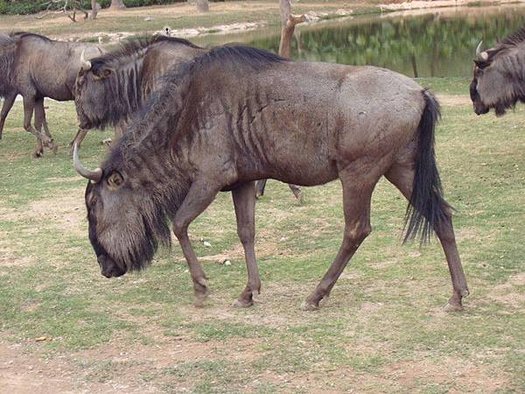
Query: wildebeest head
[[126, 222], [498, 76], [93, 100], [111, 87]]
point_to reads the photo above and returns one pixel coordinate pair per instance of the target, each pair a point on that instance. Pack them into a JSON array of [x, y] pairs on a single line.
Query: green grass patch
[[383, 325]]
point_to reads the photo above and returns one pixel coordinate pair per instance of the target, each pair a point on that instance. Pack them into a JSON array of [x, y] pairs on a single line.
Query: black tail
[[427, 208]]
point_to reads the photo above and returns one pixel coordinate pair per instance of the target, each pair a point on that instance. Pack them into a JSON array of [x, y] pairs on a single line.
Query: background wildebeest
[[38, 67], [7, 91], [113, 87], [237, 114], [499, 75]]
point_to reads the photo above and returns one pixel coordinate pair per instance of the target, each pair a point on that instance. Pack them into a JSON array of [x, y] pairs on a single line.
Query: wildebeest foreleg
[[9, 100], [357, 195], [79, 137], [402, 177], [244, 202], [199, 197]]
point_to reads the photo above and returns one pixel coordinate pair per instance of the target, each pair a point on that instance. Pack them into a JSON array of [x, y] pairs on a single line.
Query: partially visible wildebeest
[[238, 114], [7, 91], [113, 87], [499, 75], [39, 67]]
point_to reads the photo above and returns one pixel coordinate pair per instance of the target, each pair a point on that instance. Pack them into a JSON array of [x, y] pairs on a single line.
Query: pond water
[[435, 43]]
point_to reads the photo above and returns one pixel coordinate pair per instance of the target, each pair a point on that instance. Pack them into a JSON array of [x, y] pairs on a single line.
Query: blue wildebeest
[[111, 88], [238, 114], [499, 75], [37, 67]]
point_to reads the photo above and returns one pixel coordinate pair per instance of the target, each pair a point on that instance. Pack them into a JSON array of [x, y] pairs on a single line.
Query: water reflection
[[436, 44]]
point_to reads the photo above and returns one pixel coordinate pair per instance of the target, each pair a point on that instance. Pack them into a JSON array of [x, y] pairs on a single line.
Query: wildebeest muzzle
[[109, 268]]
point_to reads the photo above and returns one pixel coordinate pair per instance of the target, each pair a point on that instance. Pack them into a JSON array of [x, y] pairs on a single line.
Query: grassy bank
[[146, 20], [65, 327]]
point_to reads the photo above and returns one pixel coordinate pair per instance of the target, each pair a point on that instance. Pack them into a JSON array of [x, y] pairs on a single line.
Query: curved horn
[[84, 64], [478, 48], [481, 55], [95, 176]]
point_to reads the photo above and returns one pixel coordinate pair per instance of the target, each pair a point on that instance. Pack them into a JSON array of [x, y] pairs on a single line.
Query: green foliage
[[23, 7]]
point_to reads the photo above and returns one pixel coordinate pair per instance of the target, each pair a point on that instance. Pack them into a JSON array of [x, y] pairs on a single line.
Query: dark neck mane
[[23, 34], [177, 97], [134, 48], [514, 38]]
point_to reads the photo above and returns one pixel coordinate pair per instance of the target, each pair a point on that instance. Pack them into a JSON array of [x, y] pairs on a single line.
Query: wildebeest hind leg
[[200, 195], [42, 139], [357, 193], [244, 202], [402, 177], [41, 124]]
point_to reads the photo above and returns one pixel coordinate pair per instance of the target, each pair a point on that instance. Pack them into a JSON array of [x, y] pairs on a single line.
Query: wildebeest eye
[[102, 73], [115, 180]]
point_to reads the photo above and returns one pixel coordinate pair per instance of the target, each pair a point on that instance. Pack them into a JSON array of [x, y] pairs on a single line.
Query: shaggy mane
[[177, 95], [235, 54], [134, 46], [514, 38], [23, 34], [178, 79]]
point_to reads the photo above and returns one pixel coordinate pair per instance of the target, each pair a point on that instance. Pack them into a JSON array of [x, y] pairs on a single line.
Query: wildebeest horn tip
[[479, 54], [85, 64], [95, 175]]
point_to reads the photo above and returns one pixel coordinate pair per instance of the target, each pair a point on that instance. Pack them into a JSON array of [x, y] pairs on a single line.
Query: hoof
[[242, 304], [453, 307], [309, 306], [199, 301]]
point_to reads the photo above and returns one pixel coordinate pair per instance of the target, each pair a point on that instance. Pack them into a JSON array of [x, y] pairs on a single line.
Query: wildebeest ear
[[115, 180]]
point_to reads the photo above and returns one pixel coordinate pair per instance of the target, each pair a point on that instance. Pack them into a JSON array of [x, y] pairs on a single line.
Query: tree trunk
[[288, 22], [94, 9], [117, 5], [202, 5]]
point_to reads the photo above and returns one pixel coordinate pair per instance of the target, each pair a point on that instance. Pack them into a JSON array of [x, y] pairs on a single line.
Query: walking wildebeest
[[39, 67], [499, 81], [238, 114], [113, 87]]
